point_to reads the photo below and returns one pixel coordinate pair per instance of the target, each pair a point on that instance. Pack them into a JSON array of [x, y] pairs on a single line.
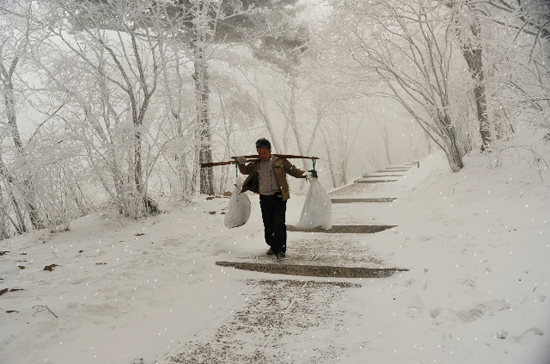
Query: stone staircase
[[304, 249], [295, 320]]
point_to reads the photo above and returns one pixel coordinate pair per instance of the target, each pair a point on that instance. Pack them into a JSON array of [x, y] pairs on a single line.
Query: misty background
[[113, 104]]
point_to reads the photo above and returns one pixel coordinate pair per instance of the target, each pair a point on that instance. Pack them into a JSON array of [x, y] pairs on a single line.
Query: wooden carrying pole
[[253, 158]]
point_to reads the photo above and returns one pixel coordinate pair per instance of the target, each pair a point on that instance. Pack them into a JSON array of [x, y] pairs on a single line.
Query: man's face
[[264, 154]]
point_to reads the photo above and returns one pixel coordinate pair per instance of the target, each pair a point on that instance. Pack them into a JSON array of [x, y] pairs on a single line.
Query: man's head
[[263, 146]]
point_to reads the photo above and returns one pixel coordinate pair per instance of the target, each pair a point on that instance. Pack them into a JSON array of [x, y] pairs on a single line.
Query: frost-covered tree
[[40, 183], [17, 176], [264, 83], [533, 16], [402, 47], [339, 107], [505, 43], [201, 25], [340, 134], [285, 53], [236, 115], [212, 22], [521, 62], [110, 77], [466, 23]]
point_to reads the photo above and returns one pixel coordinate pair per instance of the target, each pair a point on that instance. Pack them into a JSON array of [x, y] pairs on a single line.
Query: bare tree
[[261, 80], [520, 63], [237, 115], [284, 52], [533, 16], [18, 179], [467, 26], [403, 46], [122, 65], [340, 137], [177, 92], [204, 25]]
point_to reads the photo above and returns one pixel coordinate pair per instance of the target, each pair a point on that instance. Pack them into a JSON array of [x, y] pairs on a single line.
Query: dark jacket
[[281, 167]]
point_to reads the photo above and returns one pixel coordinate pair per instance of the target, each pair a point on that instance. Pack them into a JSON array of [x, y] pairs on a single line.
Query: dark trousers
[[274, 214]]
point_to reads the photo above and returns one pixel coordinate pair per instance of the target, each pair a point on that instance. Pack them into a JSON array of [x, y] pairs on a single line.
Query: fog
[[115, 105]]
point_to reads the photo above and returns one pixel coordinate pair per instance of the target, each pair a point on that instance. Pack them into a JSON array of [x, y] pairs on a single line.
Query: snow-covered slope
[[476, 243]]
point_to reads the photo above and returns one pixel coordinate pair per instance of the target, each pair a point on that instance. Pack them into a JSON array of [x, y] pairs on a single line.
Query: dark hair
[[263, 143]]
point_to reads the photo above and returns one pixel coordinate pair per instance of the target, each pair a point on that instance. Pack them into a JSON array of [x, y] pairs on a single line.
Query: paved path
[[292, 319]]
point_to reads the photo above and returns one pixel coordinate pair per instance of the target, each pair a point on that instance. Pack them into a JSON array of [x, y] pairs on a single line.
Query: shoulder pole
[[254, 158]]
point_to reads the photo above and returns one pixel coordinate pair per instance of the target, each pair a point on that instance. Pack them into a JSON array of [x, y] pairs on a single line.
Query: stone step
[[397, 167], [375, 180], [313, 270], [392, 170], [350, 200], [345, 229], [382, 175]]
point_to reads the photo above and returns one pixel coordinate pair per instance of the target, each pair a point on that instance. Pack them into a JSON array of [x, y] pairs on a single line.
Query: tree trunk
[[453, 153], [181, 186], [293, 123], [203, 123], [473, 55], [264, 112], [453, 156], [20, 225], [138, 169], [4, 217], [26, 183], [387, 144], [476, 69], [200, 77], [331, 163]]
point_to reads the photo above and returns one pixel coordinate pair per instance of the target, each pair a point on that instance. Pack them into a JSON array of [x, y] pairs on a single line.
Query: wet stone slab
[[345, 229], [313, 270], [375, 180], [352, 200], [393, 170], [382, 175]]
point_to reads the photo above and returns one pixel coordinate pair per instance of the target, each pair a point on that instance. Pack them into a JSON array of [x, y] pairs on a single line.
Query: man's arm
[[246, 168], [293, 170]]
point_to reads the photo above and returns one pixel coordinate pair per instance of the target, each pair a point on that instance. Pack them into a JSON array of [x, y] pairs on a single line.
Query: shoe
[[270, 252], [280, 256]]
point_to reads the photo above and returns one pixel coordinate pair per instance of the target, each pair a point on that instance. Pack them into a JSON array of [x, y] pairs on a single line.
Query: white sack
[[317, 210], [238, 211]]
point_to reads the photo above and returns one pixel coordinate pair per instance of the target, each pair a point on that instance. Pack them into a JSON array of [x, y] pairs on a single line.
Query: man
[[267, 177]]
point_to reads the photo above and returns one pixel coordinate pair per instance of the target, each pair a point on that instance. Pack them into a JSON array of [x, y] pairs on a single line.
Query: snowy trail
[[291, 319], [127, 292]]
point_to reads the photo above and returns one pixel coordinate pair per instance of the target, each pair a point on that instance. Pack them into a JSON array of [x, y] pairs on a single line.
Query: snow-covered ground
[[477, 244]]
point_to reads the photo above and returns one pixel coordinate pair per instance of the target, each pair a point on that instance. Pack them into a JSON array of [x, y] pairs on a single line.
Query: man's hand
[[242, 160], [311, 174]]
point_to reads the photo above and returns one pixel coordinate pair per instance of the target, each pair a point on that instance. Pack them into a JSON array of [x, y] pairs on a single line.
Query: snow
[[475, 243]]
